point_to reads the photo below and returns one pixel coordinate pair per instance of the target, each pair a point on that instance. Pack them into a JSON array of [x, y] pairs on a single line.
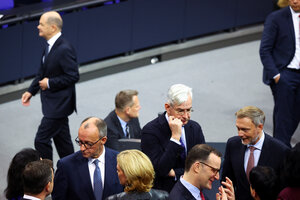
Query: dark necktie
[[250, 164], [201, 195], [127, 131], [46, 51], [97, 181]]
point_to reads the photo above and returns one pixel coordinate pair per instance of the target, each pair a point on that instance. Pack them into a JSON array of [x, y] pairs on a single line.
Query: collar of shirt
[[30, 197], [182, 134], [256, 152], [191, 188], [52, 40], [123, 125], [101, 164]]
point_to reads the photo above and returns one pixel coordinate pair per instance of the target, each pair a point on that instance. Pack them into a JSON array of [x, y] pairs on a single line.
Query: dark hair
[[199, 152], [14, 187], [36, 176], [291, 167], [124, 98], [264, 181]]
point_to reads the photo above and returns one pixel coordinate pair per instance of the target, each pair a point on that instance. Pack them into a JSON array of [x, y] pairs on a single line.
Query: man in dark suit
[[56, 79], [76, 177], [167, 139], [279, 52], [202, 168], [252, 147], [37, 179], [123, 122]]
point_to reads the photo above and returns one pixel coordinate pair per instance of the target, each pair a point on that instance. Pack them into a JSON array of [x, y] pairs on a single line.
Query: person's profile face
[[133, 111], [209, 171], [44, 28], [121, 175]]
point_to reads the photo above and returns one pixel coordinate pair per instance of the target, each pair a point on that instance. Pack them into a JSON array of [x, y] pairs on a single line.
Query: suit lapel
[[265, 155], [290, 23], [84, 175]]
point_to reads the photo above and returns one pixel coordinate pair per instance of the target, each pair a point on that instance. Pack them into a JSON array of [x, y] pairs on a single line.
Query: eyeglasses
[[214, 170], [87, 145], [182, 111]]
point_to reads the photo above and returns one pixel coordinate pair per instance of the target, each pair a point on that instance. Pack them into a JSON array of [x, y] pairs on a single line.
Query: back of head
[[14, 176], [138, 170], [291, 167], [256, 115], [125, 98], [54, 18], [199, 152], [265, 182], [36, 176], [99, 123], [178, 93]]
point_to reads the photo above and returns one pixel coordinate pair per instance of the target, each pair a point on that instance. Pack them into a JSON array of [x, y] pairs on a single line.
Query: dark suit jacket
[[61, 67], [115, 131], [277, 47], [72, 178], [165, 154], [179, 192], [272, 155]]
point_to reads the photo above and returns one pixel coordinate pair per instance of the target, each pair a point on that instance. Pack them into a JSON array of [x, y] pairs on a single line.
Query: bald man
[[76, 176], [55, 80]]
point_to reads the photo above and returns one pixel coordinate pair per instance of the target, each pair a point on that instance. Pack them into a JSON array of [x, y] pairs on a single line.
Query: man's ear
[[48, 188], [167, 107]]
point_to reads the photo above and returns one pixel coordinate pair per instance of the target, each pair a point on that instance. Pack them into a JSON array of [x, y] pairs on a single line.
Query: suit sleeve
[[163, 158], [69, 66], [60, 184], [267, 46]]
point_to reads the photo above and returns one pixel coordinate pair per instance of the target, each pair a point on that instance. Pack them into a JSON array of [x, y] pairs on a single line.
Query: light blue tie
[[97, 181]]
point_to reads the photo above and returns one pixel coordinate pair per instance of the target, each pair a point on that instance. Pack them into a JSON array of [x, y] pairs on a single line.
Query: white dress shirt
[[101, 164]]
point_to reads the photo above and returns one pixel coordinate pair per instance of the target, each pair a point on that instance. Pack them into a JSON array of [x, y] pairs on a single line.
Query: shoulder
[[193, 124], [275, 143], [111, 152], [121, 195], [156, 123], [110, 116], [159, 194], [279, 14]]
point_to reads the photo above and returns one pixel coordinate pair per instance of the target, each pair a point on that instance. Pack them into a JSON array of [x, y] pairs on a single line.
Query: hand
[[43, 83], [171, 173], [26, 98], [175, 125], [221, 195], [229, 190], [277, 79]]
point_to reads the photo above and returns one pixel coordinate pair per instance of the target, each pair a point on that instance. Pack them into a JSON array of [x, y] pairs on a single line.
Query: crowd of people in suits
[[174, 161]]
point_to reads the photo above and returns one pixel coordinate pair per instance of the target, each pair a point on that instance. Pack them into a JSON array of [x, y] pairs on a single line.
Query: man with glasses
[[168, 138], [201, 170], [91, 172], [252, 147]]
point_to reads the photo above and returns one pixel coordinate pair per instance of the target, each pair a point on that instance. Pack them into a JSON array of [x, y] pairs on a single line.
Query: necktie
[[97, 181], [201, 195], [250, 164], [127, 131], [46, 50], [183, 153]]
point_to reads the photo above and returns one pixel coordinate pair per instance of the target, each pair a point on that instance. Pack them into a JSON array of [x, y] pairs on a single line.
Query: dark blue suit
[[165, 154], [179, 192], [58, 101], [272, 155], [72, 178], [115, 131], [277, 50]]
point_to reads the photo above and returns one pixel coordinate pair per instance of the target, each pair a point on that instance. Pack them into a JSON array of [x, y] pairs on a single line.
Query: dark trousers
[[286, 113], [58, 129]]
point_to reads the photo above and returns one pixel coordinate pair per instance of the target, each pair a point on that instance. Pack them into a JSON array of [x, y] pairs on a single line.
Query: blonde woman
[[136, 174]]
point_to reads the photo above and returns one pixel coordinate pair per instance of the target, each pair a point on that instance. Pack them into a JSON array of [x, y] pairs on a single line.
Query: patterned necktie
[[127, 131], [250, 164], [97, 181], [201, 195], [183, 153]]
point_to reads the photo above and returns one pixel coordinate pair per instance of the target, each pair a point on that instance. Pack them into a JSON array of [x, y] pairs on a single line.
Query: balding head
[[54, 18]]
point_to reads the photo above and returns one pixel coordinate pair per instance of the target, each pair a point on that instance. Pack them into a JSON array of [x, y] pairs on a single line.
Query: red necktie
[[201, 195], [250, 164]]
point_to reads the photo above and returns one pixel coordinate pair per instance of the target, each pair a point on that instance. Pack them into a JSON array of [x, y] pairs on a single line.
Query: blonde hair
[[138, 170], [256, 115]]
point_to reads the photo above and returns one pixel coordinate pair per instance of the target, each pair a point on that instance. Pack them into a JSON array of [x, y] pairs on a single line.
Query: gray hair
[[99, 123], [178, 93], [256, 115]]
